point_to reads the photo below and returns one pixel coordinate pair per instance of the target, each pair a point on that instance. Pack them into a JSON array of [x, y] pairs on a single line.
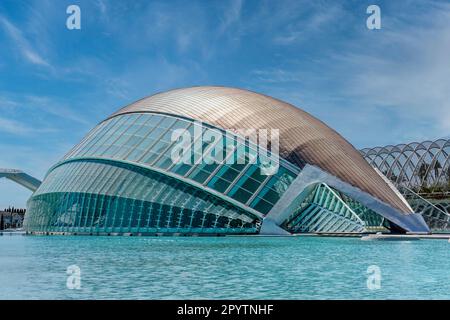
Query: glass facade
[[121, 178], [327, 210], [99, 196], [146, 139], [154, 167]]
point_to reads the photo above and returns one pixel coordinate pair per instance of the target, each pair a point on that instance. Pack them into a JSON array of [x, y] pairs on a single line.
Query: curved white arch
[[21, 178]]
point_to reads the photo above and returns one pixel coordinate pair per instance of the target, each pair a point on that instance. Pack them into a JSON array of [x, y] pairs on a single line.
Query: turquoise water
[[34, 267]]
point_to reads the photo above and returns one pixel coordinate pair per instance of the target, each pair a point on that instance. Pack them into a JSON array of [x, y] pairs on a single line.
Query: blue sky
[[375, 87]]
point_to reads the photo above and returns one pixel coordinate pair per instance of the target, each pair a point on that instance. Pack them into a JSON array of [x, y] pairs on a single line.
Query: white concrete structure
[[21, 178]]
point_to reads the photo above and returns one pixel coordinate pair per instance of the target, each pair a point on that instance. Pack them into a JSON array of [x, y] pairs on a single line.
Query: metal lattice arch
[[121, 177], [422, 167], [421, 171]]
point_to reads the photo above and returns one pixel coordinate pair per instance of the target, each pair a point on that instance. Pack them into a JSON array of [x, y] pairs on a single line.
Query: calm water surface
[[34, 267]]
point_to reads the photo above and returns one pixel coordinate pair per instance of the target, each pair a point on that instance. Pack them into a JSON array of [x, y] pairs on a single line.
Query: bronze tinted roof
[[302, 137]]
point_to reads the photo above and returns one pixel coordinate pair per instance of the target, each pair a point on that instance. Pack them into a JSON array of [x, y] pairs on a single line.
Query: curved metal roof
[[303, 138]]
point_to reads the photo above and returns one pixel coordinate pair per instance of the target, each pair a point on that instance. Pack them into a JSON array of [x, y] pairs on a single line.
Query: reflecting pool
[[35, 267]]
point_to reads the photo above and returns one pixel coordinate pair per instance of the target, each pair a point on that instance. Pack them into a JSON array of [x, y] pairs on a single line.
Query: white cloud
[[405, 69], [6, 103], [12, 126], [55, 108], [102, 6], [376, 87], [24, 115], [321, 17], [276, 75], [22, 44], [231, 16], [20, 128]]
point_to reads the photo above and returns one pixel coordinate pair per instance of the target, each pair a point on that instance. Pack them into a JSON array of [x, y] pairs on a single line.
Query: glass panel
[[199, 175], [223, 178], [219, 184], [120, 137], [261, 205], [181, 168], [167, 122], [247, 183], [89, 137], [228, 173], [275, 187], [241, 195], [166, 159], [111, 135], [97, 139], [269, 195]]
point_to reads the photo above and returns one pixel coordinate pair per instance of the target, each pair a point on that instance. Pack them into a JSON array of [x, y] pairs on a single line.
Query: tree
[[2, 222], [447, 176], [393, 177], [436, 167], [423, 174]]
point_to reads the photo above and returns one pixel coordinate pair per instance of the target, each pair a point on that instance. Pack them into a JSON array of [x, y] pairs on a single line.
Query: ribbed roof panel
[[302, 136]]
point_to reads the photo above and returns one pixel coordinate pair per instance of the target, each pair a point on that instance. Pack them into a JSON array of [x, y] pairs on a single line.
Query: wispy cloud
[[320, 17], [12, 126], [6, 103], [20, 128], [231, 16], [30, 108], [102, 6], [394, 84], [405, 70], [276, 75], [55, 108], [22, 44]]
